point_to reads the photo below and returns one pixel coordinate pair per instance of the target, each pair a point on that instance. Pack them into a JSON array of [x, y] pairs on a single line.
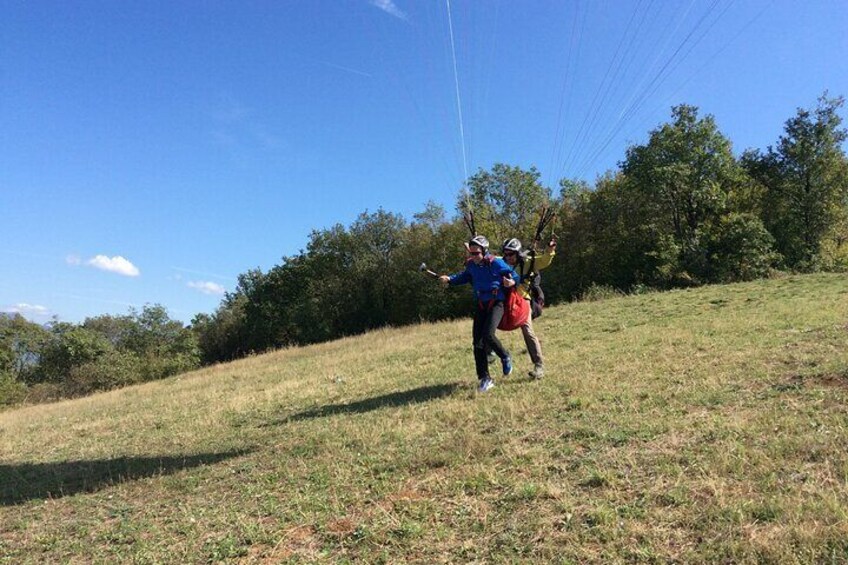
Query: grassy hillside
[[702, 425]]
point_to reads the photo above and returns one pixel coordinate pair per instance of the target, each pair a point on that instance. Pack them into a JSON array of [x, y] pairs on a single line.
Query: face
[[476, 253], [510, 257]]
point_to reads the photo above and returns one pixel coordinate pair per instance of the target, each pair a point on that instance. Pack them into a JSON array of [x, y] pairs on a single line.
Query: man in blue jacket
[[488, 275]]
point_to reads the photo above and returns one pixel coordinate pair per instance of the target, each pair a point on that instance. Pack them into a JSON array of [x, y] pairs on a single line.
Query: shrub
[[71, 347], [641, 288], [155, 367], [740, 249], [112, 370], [11, 391], [44, 392]]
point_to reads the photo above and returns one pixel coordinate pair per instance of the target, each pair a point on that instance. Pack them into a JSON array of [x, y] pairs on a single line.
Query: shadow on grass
[[20, 482], [413, 396]]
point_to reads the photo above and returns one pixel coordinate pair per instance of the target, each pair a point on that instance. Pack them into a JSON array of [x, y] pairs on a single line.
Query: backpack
[[516, 311], [537, 296]]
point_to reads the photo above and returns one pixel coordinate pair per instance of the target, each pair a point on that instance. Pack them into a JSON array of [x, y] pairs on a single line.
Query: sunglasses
[[509, 253], [475, 252]]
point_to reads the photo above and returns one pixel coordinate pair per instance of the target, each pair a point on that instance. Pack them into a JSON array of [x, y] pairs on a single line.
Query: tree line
[[679, 210], [61, 359]]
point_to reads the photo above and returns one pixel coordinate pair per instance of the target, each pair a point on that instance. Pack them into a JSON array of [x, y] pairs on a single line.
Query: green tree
[[569, 273], [21, 345], [70, 346], [115, 329], [506, 201], [220, 335], [630, 242], [379, 238], [684, 174], [439, 244], [153, 346], [806, 182], [165, 345], [740, 248], [332, 296]]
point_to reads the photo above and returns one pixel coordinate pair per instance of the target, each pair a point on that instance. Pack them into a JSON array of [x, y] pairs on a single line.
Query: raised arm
[[546, 257], [457, 278]]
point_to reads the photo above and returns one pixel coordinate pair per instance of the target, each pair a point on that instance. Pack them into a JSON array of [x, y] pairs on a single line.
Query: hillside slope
[[699, 426]]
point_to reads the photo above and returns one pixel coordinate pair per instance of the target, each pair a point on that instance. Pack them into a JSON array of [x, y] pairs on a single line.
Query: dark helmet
[[480, 241], [511, 244]]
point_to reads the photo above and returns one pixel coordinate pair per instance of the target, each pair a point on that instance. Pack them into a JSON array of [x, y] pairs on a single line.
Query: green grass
[[704, 425]]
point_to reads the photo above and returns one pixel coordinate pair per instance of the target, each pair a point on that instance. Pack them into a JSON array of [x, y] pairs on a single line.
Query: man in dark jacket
[[488, 276]]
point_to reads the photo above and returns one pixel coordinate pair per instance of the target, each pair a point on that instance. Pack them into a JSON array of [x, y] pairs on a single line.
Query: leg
[[494, 318], [490, 356], [534, 348], [495, 314], [479, 341]]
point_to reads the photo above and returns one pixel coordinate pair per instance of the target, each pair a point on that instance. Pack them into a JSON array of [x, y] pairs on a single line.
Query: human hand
[[508, 282], [444, 279]]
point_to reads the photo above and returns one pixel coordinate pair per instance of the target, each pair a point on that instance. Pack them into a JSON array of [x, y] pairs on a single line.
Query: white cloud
[[25, 309], [116, 264], [207, 287], [389, 7]]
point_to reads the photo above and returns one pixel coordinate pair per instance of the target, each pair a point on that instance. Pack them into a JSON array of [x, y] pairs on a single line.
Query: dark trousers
[[486, 320]]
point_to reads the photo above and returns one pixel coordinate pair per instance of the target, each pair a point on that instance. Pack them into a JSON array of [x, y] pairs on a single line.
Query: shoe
[[507, 365], [485, 384], [491, 358], [538, 372]]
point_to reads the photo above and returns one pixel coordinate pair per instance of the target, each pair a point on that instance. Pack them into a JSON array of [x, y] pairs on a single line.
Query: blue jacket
[[485, 278]]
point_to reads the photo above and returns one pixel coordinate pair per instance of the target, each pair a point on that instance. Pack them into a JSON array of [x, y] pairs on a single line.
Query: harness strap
[[532, 270], [486, 305]]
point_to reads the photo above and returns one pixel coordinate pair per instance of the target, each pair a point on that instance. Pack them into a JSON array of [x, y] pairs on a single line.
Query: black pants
[[486, 320]]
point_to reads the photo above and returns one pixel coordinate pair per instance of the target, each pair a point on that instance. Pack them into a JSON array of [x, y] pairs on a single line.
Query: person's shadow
[[412, 396], [20, 482]]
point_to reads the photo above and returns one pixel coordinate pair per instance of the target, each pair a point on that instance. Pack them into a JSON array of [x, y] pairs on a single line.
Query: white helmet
[[480, 241], [512, 244]]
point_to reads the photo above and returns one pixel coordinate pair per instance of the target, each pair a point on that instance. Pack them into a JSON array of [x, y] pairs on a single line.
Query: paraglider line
[[458, 98]]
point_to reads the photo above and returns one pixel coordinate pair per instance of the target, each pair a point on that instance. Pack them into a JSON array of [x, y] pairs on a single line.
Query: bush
[[11, 391], [741, 249], [640, 288], [44, 392], [833, 255], [112, 370], [155, 368], [70, 347]]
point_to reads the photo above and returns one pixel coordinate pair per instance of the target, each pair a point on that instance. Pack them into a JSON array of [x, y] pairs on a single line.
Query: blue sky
[[152, 151]]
